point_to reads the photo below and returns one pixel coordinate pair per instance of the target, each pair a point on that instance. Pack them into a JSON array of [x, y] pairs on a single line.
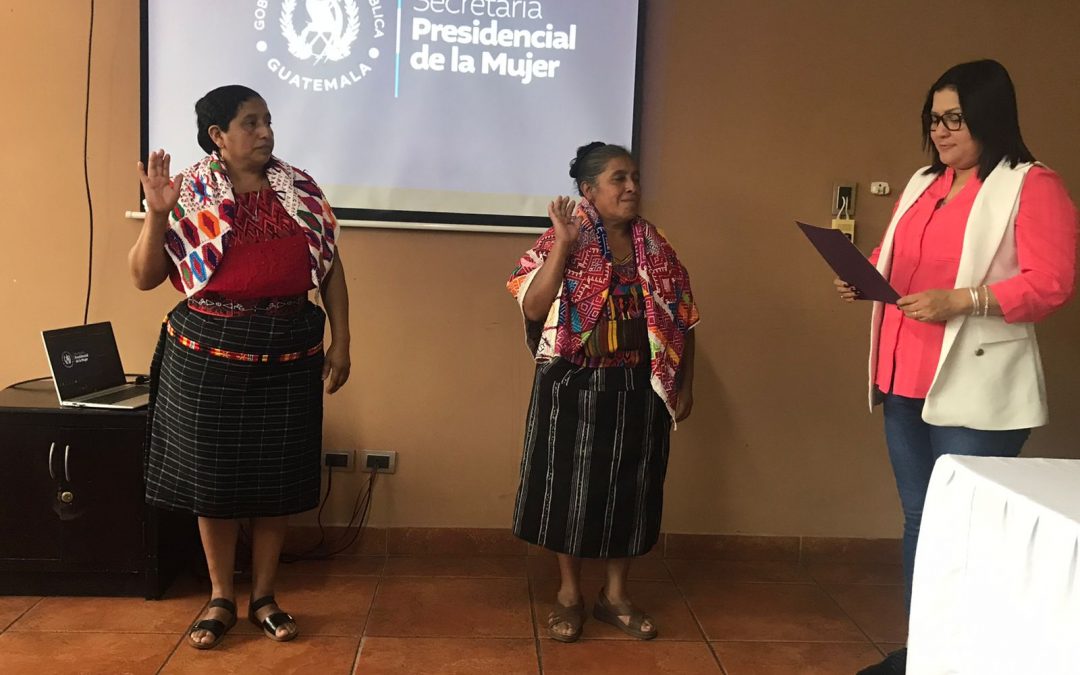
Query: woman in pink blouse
[[981, 245]]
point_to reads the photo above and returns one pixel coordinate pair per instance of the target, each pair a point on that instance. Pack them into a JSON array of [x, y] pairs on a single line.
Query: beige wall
[[753, 109]]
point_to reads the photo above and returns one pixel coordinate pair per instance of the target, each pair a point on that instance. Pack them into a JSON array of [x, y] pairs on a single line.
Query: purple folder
[[849, 263]]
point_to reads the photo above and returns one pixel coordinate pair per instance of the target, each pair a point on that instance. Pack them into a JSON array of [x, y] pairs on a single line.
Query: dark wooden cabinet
[[72, 516], [29, 528]]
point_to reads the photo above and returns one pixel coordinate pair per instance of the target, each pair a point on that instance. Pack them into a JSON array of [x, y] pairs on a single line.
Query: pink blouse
[[926, 255]]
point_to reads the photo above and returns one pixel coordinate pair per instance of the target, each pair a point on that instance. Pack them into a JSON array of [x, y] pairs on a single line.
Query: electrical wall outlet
[[378, 461], [845, 225], [843, 202], [341, 460]]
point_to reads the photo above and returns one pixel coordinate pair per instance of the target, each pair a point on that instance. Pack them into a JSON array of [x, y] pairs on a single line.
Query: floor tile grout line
[[171, 654], [359, 653], [656, 641], [186, 632], [451, 576], [793, 642], [103, 631], [367, 622], [716, 657], [463, 638], [850, 618], [487, 638], [879, 644], [22, 614], [807, 566], [535, 627], [858, 584], [811, 581], [694, 616]]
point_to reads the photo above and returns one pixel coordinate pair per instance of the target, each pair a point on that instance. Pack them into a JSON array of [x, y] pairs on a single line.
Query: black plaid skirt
[[594, 462], [229, 438]]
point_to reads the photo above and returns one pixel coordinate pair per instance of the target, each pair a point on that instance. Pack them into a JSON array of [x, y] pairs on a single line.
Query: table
[[997, 588]]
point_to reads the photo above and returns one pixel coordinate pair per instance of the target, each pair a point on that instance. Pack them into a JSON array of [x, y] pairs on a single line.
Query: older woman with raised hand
[[235, 421], [981, 246], [608, 312]]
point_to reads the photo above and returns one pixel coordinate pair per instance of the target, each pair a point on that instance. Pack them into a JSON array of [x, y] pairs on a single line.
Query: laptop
[[86, 369]]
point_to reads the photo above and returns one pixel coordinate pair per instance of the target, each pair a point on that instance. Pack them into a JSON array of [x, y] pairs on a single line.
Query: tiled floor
[[456, 614]]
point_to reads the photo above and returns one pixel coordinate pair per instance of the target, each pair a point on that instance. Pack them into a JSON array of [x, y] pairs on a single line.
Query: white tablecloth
[[997, 588]]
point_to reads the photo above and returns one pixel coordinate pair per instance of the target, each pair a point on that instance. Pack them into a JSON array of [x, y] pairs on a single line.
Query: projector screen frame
[[400, 219]]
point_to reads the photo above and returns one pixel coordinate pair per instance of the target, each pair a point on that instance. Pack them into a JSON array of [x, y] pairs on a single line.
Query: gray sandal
[[609, 613], [573, 616]]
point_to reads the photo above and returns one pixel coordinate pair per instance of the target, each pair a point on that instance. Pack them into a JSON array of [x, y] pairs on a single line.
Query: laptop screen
[[84, 359]]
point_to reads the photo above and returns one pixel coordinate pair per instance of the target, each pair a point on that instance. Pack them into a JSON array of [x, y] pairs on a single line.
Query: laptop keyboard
[[122, 395]]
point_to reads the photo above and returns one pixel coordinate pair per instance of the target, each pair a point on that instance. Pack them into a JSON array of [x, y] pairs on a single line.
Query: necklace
[[623, 260]]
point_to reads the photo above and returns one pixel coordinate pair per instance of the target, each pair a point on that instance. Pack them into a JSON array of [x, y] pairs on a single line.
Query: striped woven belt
[[221, 306], [241, 356]]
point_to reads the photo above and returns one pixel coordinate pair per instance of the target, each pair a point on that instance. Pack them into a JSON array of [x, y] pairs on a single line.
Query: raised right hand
[[567, 224], [161, 192], [847, 293]]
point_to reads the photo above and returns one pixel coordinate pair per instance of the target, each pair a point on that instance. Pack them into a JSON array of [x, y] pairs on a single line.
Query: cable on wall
[[354, 529], [86, 167]]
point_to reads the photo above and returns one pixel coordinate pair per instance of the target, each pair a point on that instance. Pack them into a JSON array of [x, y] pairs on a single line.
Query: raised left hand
[[336, 366], [935, 305]]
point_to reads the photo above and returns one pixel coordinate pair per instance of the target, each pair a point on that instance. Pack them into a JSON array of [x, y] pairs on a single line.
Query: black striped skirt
[[594, 461], [229, 438]]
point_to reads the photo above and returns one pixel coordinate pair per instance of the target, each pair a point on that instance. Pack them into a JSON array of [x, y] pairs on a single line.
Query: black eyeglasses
[[952, 120]]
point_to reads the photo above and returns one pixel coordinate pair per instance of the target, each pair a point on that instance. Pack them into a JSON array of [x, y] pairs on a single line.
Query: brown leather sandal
[[573, 616], [609, 613]]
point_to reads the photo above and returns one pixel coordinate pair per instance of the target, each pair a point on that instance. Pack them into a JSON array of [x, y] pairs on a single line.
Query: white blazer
[[989, 375]]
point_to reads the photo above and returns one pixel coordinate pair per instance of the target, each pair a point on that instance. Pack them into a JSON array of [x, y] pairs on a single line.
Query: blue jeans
[[914, 446]]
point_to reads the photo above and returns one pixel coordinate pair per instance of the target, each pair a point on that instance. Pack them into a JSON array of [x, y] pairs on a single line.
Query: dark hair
[[591, 160], [988, 100], [219, 107]]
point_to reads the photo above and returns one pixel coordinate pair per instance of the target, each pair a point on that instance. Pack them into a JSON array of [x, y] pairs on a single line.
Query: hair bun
[[581, 152]]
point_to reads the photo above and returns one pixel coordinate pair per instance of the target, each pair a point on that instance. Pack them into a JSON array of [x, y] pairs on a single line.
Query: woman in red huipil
[[235, 419]]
